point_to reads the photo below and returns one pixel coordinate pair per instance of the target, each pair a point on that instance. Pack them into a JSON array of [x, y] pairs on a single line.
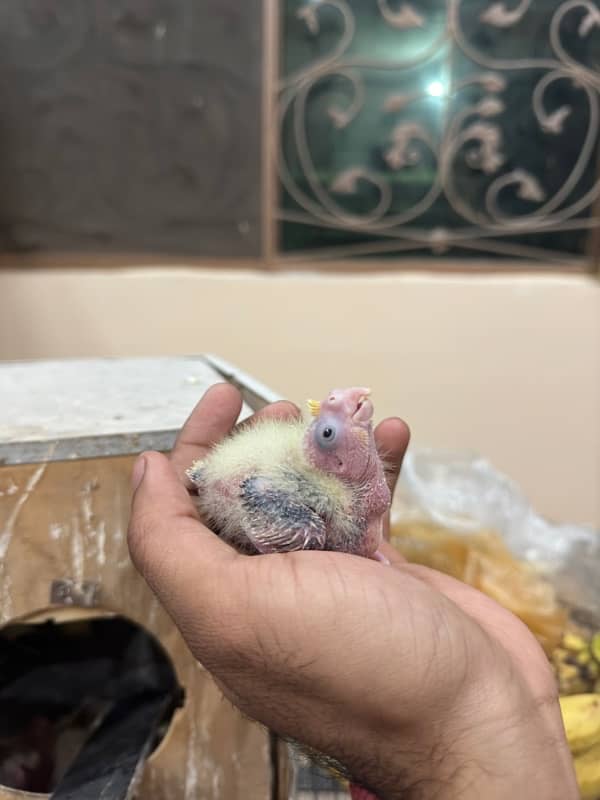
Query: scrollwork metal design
[[516, 198]]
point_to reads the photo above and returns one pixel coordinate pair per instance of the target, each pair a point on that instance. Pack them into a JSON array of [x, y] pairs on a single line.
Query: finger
[[211, 420], [177, 555], [282, 410], [392, 437], [491, 616]]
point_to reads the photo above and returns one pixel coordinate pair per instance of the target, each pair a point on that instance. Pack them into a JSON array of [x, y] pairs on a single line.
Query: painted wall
[[508, 366]]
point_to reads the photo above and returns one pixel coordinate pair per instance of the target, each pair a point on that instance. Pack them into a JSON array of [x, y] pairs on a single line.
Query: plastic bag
[[464, 493]]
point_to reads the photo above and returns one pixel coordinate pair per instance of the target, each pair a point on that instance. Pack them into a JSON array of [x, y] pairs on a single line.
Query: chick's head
[[340, 439]]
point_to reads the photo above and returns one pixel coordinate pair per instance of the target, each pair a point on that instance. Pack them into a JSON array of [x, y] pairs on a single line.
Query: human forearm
[[508, 743]]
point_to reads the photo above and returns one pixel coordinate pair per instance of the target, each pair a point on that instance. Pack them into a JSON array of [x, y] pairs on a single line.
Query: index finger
[[212, 419]]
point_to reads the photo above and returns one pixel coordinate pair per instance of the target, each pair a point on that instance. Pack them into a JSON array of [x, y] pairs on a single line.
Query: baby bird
[[280, 486]]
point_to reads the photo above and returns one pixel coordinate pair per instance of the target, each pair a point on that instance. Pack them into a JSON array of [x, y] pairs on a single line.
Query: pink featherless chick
[[281, 486]]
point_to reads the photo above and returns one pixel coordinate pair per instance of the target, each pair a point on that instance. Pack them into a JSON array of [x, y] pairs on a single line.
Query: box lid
[[82, 408]]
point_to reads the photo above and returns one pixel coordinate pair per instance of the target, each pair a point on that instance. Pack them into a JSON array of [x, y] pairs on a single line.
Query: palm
[[333, 619]]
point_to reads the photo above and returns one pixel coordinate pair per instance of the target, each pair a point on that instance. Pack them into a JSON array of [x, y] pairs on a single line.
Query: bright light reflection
[[436, 89]]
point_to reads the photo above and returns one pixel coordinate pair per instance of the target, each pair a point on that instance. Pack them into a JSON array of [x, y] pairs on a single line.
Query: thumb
[[179, 557]]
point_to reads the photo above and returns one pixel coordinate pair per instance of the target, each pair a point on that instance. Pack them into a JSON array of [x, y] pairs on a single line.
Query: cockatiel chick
[[280, 486]]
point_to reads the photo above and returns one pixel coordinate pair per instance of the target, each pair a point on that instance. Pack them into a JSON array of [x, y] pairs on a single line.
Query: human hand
[[419, 685]]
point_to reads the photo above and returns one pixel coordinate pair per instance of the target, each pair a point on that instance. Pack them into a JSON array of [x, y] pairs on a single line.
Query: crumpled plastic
[[464, 493]]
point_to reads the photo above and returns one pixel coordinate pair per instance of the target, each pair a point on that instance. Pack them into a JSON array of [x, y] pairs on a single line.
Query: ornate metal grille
[[463, 127]]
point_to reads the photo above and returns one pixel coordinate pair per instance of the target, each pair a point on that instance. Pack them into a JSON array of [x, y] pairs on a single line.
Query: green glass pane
[[459, 128]]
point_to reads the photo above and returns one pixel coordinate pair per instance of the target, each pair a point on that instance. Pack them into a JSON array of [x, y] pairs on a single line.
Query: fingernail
[[139, 468]]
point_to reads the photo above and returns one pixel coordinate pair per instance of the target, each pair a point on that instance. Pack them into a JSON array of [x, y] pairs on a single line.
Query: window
[[460, 129]]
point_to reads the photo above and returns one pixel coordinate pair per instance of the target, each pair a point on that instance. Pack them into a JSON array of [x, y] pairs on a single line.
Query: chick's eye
[[326, 435]]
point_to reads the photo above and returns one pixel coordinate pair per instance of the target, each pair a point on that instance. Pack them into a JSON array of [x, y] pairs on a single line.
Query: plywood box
[[68, 437]]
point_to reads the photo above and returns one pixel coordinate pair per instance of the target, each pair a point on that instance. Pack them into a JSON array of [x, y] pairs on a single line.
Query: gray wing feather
[[279, 521]]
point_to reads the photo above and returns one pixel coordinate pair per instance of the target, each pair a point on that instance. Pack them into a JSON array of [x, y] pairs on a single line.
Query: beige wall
[[509, 366]]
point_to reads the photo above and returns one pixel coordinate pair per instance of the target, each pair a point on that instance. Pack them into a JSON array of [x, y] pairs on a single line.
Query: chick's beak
[[350, 403], [364, 410], [359, 404]]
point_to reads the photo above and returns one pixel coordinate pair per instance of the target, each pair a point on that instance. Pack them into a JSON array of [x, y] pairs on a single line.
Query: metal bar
[[270, 133], [119, 444], [255, 394]]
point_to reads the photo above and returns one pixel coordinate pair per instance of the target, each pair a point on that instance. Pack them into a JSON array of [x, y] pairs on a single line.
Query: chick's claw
[[378, 556]]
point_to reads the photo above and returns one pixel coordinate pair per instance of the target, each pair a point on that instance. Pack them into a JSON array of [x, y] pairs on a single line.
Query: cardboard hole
[[59, 680]]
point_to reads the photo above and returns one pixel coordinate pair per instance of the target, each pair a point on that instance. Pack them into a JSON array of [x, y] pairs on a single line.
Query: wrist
[[500, 742], [499, 738], [519, 750]]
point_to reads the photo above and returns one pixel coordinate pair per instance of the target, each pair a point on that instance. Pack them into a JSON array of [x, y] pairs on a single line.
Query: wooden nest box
[[97, 687]]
